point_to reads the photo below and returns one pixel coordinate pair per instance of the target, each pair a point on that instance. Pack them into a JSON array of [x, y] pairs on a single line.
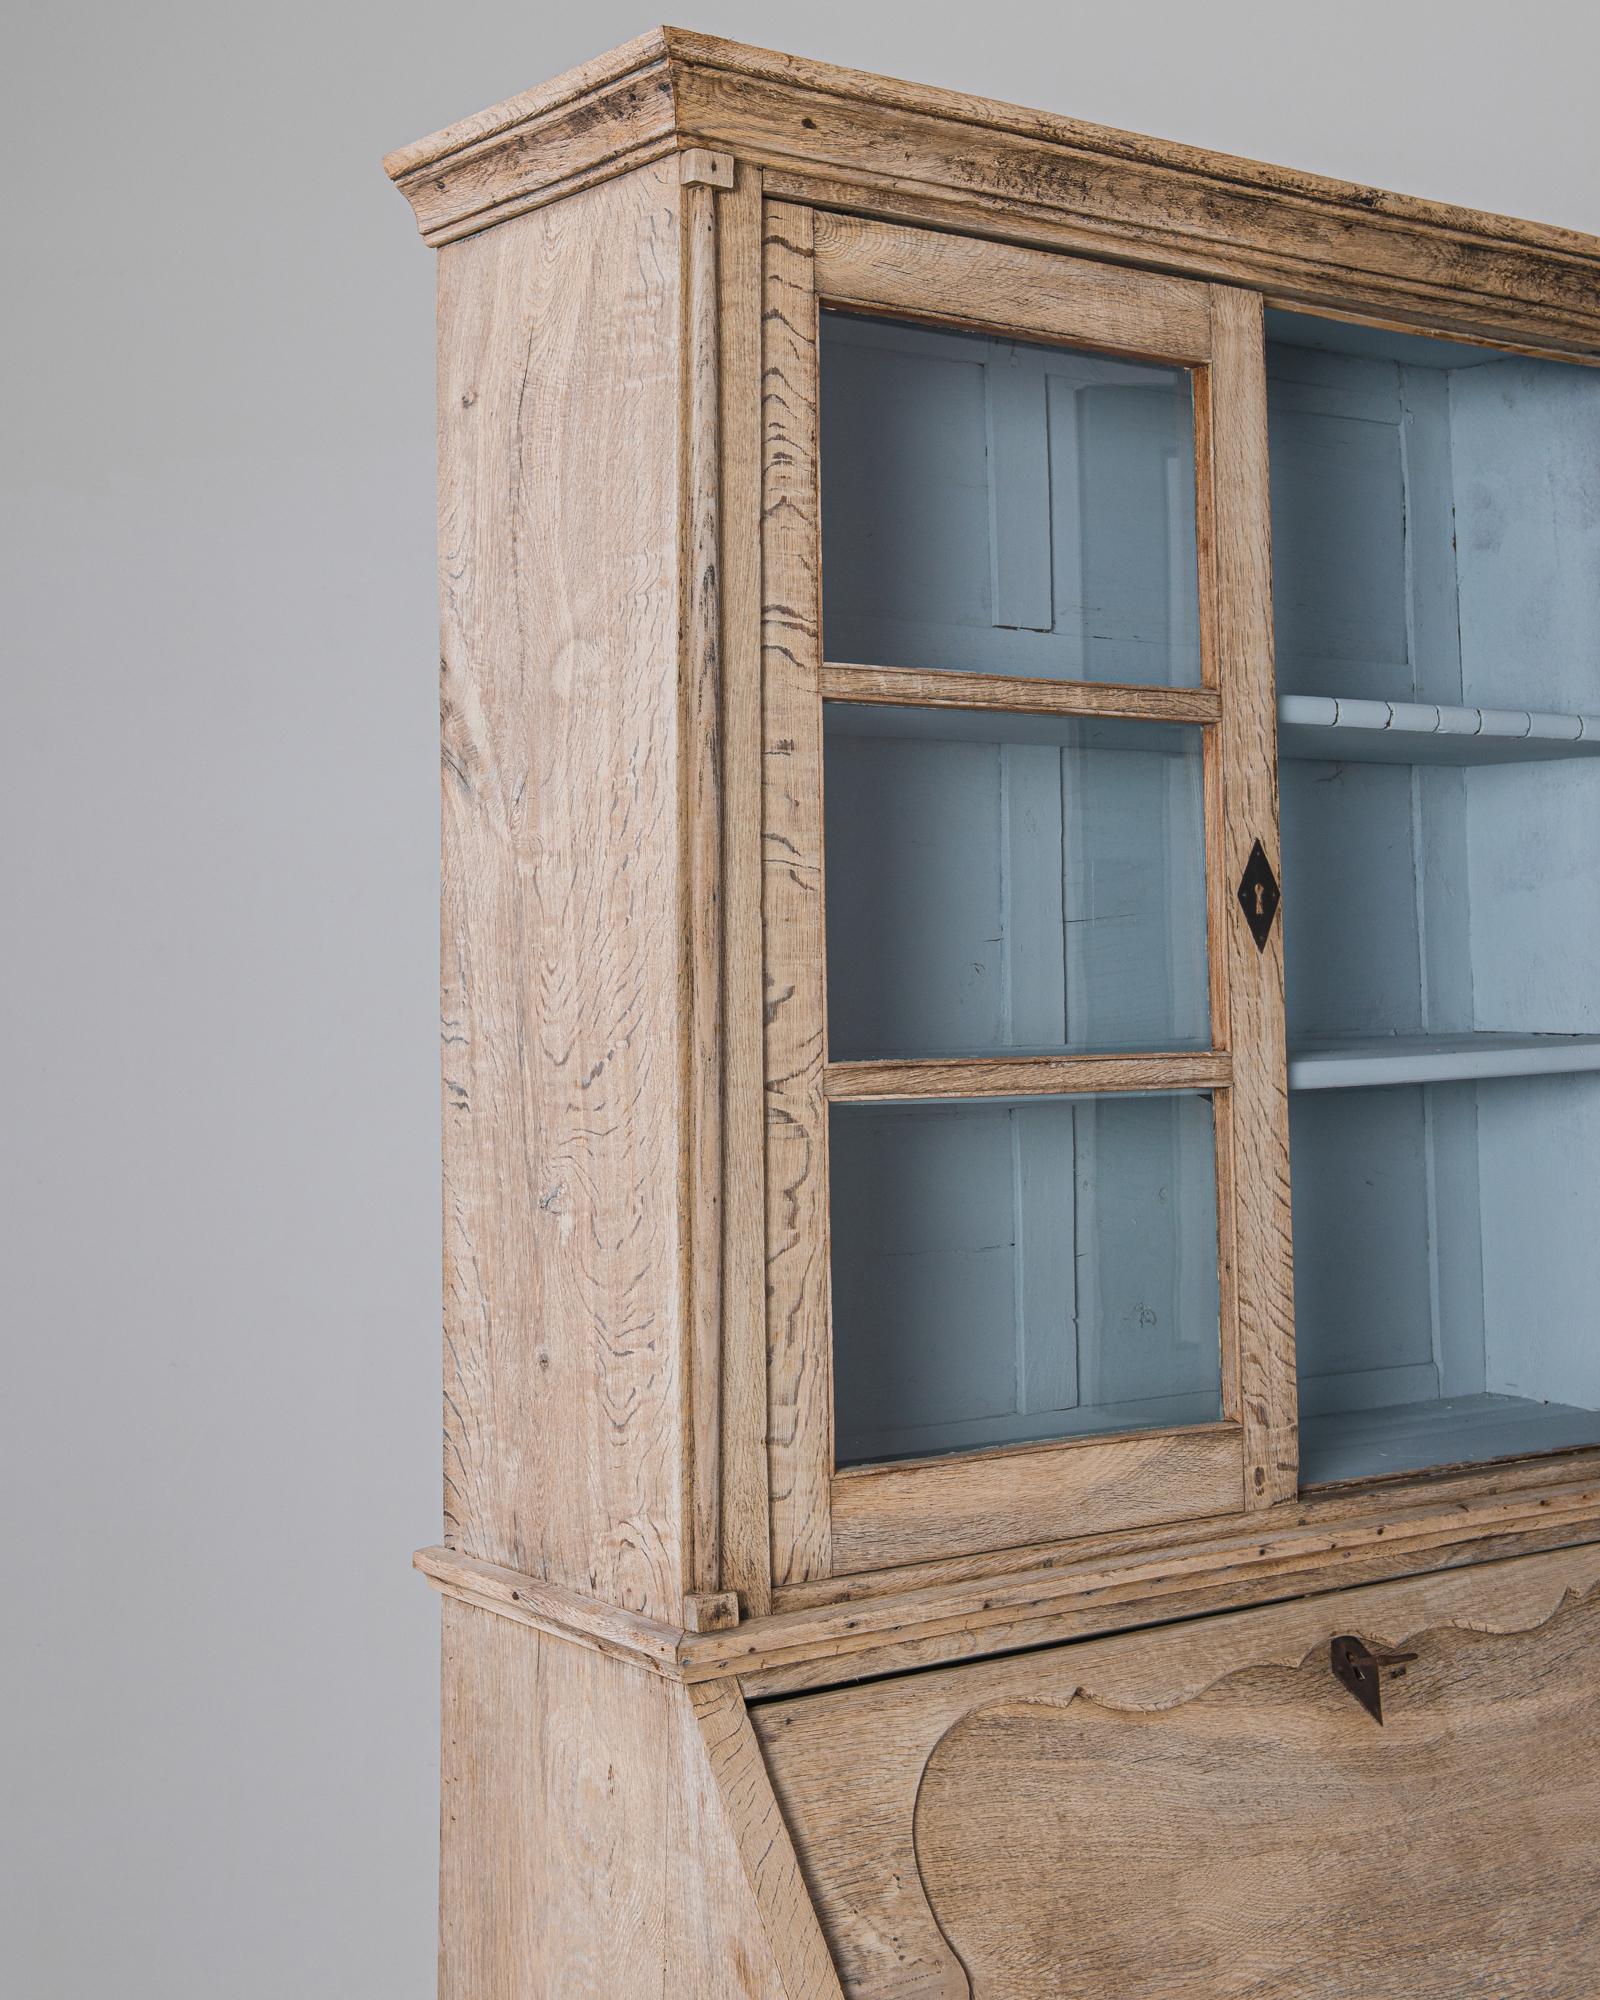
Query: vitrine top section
[[842, 135]]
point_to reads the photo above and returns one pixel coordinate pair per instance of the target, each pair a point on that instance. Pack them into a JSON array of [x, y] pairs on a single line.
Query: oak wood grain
[[763, 1842], [886, 1514], [641, 1508], [1267, 1841], [564, 1614], [1479, 1495], [700, 628], [1012, 694], [1018, 292], [586, 1849], [915, 1616], [1236, 222], [848, 1766], [746, 1530], [710, 1611], [1053, 1624], [852, 140], [1022, 1076], [1253, 1135], [800, 1362], [593, 124], [561, 973]]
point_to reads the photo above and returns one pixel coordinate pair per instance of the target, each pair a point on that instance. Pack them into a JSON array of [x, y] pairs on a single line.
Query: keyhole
[[1261, 892]]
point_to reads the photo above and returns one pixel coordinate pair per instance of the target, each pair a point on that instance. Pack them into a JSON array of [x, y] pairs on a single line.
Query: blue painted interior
[[1006, 1271], [1436, 520]]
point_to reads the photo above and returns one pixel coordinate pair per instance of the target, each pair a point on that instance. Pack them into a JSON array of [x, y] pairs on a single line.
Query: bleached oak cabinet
[[1021, 1016]]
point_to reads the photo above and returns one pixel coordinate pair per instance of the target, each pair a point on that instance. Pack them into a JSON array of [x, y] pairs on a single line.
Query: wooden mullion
[[1218, 886], [1253, 1120], [916, 687], [1024, 1076]]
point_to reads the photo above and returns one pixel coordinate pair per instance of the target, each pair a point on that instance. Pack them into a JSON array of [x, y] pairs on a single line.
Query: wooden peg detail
[[711, 1611], [699, 167]]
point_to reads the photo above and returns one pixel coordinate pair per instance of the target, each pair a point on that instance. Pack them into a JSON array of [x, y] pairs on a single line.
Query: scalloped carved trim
[[1264, 1837], [849, 1767], [1142, 1697]]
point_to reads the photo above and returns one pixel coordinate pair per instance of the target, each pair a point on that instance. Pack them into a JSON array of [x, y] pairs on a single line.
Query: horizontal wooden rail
[[942, 1611], [1023, 1076], [1003, 287], [915, 687]]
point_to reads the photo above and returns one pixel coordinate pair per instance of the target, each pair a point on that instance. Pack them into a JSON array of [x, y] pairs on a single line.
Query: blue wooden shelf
[[1361, 1064], [1328, 728]]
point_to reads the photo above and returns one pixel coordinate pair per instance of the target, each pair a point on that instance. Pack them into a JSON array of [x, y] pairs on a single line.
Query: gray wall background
[[220, 1294]]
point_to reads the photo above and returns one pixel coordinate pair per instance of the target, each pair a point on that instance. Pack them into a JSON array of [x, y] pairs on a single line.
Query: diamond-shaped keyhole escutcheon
[[1258, 895]]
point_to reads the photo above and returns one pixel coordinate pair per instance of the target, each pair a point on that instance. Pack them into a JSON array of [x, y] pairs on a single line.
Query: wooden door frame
[[826, 1522]]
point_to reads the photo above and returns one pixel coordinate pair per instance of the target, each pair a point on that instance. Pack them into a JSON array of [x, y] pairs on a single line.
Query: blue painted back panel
[[1012, 882], [1000, 507], [1021, 1271]]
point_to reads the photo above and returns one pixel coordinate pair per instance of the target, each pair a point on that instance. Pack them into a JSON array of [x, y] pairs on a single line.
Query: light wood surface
[[746, 1530], [848, 139], [1341, 1837], [1465, 1493], [886, 1514], [924, 1613], [1013, 291], [701, 738], [1256, 1110], [596, 1836], [683, 1747], [995, 1076], [1015, 1494], [593, 124], [848, 1769], [711, 1611], [698, 166], [564, 1614], [800, 1370], [763, 1842], [562, 955], [1015, 695]]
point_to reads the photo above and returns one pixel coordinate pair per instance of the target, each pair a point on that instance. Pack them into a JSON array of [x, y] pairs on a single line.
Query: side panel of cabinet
[[563, 956], [607, 1836]]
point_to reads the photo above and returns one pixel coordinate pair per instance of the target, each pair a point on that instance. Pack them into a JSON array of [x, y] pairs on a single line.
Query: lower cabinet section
[[1208, 1811]]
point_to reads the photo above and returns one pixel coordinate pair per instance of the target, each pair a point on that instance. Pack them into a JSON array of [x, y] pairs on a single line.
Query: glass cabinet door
[[1017, 1023]]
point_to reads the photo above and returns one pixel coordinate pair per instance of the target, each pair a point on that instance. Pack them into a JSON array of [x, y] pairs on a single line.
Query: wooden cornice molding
[[601, 119], [847, 139]]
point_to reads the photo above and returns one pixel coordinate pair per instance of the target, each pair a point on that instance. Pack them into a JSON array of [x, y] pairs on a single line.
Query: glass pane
[[1017, 1270], [1436, 549], [992, 506], [1007, 882]]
